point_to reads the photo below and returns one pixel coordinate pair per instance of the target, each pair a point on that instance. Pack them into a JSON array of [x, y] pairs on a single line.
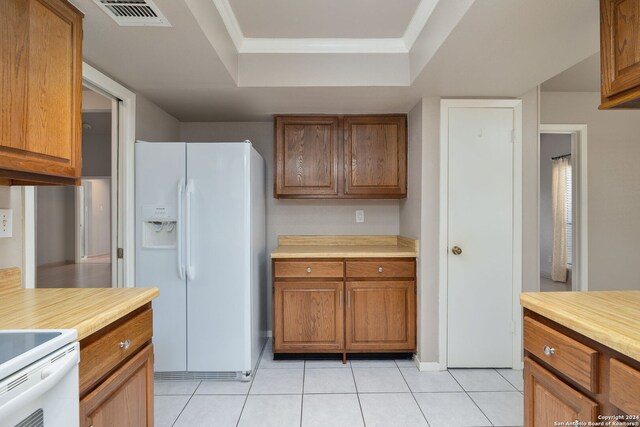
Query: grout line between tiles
[[507, 380], [185, 405], [413, 395], [471, 398], [264, 347], [355, 384], [304, 373]]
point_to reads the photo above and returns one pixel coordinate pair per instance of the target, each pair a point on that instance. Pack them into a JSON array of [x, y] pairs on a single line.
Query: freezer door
[[160, 181], [218, 287]]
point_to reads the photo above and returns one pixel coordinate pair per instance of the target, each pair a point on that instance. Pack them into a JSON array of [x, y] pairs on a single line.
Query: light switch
[[6, 222], [360, 215]]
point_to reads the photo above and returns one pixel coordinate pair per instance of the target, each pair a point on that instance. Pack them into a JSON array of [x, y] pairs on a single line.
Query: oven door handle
[[47, 381]]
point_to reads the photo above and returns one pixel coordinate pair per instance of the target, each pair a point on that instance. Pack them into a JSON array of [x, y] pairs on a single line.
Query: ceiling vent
[[131, 13]]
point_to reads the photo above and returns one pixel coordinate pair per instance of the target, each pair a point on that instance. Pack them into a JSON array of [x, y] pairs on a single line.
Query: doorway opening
[[74, 224], [562, 208]]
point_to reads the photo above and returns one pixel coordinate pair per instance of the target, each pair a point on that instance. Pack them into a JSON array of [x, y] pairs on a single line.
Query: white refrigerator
[[200, 238]]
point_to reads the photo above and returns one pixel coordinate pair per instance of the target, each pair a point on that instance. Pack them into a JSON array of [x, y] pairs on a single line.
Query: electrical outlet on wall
[[6, 222], [360, 215]]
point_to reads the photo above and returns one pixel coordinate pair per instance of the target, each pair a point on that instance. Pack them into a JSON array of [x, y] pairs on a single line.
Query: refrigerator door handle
[[190, 272], [180, 260]]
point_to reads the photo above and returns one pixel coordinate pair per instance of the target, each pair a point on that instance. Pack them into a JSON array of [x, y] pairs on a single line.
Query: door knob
[[456, 250]]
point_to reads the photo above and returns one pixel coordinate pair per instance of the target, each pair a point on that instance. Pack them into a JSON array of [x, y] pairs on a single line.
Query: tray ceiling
[[323, 19]]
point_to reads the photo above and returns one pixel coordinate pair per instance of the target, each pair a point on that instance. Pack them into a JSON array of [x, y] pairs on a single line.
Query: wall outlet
[[360, 215], [6, 222]]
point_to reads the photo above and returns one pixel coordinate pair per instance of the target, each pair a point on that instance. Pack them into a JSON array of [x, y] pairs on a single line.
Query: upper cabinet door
[[375, 156], [306, 156], [620, 53], [41, 89]]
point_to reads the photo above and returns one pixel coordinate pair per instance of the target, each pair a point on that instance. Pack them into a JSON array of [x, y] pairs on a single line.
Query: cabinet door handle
[[340, 299], [308, 269], [348, 299], [125, 344], [549, 351]]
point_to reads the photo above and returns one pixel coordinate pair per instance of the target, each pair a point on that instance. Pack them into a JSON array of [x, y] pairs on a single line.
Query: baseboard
[[428, 366]]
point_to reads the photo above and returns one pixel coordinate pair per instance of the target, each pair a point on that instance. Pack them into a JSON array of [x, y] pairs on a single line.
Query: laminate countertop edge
[[345, 247], [611, 318], [85, 310]]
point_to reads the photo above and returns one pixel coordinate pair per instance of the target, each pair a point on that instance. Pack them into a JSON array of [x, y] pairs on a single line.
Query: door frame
[[445, 105], [123, 169], [580, 277]]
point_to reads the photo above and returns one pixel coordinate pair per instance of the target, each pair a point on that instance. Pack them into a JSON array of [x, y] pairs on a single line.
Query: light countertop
[[345, 247], [611, 318], [86, 310]]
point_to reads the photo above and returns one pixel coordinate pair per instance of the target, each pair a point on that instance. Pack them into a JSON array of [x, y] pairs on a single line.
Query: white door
[[480, 237]]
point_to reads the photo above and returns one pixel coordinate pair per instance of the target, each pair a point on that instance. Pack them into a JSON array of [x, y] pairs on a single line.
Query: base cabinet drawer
[[308, 317], [125, 398], [104, 350], [549, 400], [570, 357], [308, 269], [381, 269]]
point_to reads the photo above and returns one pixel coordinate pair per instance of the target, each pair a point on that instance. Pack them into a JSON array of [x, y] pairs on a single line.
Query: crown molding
[[287, 45], [230, 21], [418, 21]]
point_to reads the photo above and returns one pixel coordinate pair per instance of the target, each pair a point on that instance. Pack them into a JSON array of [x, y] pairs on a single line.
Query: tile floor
[[325, 393]]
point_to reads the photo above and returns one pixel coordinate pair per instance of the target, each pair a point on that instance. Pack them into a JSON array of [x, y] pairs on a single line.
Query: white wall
[[419, 217], [613, 184], [551, 145], [153, 123], [11, 247], [55, 223], [297, 216], [96, 144], [98, 220], [530, 233]]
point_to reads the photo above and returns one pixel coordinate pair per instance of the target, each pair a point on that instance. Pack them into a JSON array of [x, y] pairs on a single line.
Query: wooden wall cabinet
[[344, 305], [620, 53], [41, 91], [569, 377], [341, 157], [116, 373]]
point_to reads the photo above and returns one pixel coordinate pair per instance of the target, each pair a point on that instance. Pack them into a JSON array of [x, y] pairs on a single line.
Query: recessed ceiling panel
[[323, 19]]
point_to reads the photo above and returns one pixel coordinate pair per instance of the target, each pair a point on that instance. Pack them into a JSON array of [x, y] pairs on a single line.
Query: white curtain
[[559, 207]]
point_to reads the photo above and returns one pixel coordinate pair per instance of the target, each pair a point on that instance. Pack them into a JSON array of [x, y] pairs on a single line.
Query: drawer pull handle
[[125, 344], [549, 351], [308, 269], [379, 269]]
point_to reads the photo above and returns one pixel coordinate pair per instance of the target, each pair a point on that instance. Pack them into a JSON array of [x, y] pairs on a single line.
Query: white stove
[[39, 378]]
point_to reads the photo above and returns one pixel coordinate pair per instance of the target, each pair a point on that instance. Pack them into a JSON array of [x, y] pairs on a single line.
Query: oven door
[[44, 394]]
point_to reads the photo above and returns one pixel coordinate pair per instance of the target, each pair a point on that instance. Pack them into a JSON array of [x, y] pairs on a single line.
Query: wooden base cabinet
[[125, 398], [380, 316], [308, 316], [116, 373], [549, 400], [569, 377], [344, 306]]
